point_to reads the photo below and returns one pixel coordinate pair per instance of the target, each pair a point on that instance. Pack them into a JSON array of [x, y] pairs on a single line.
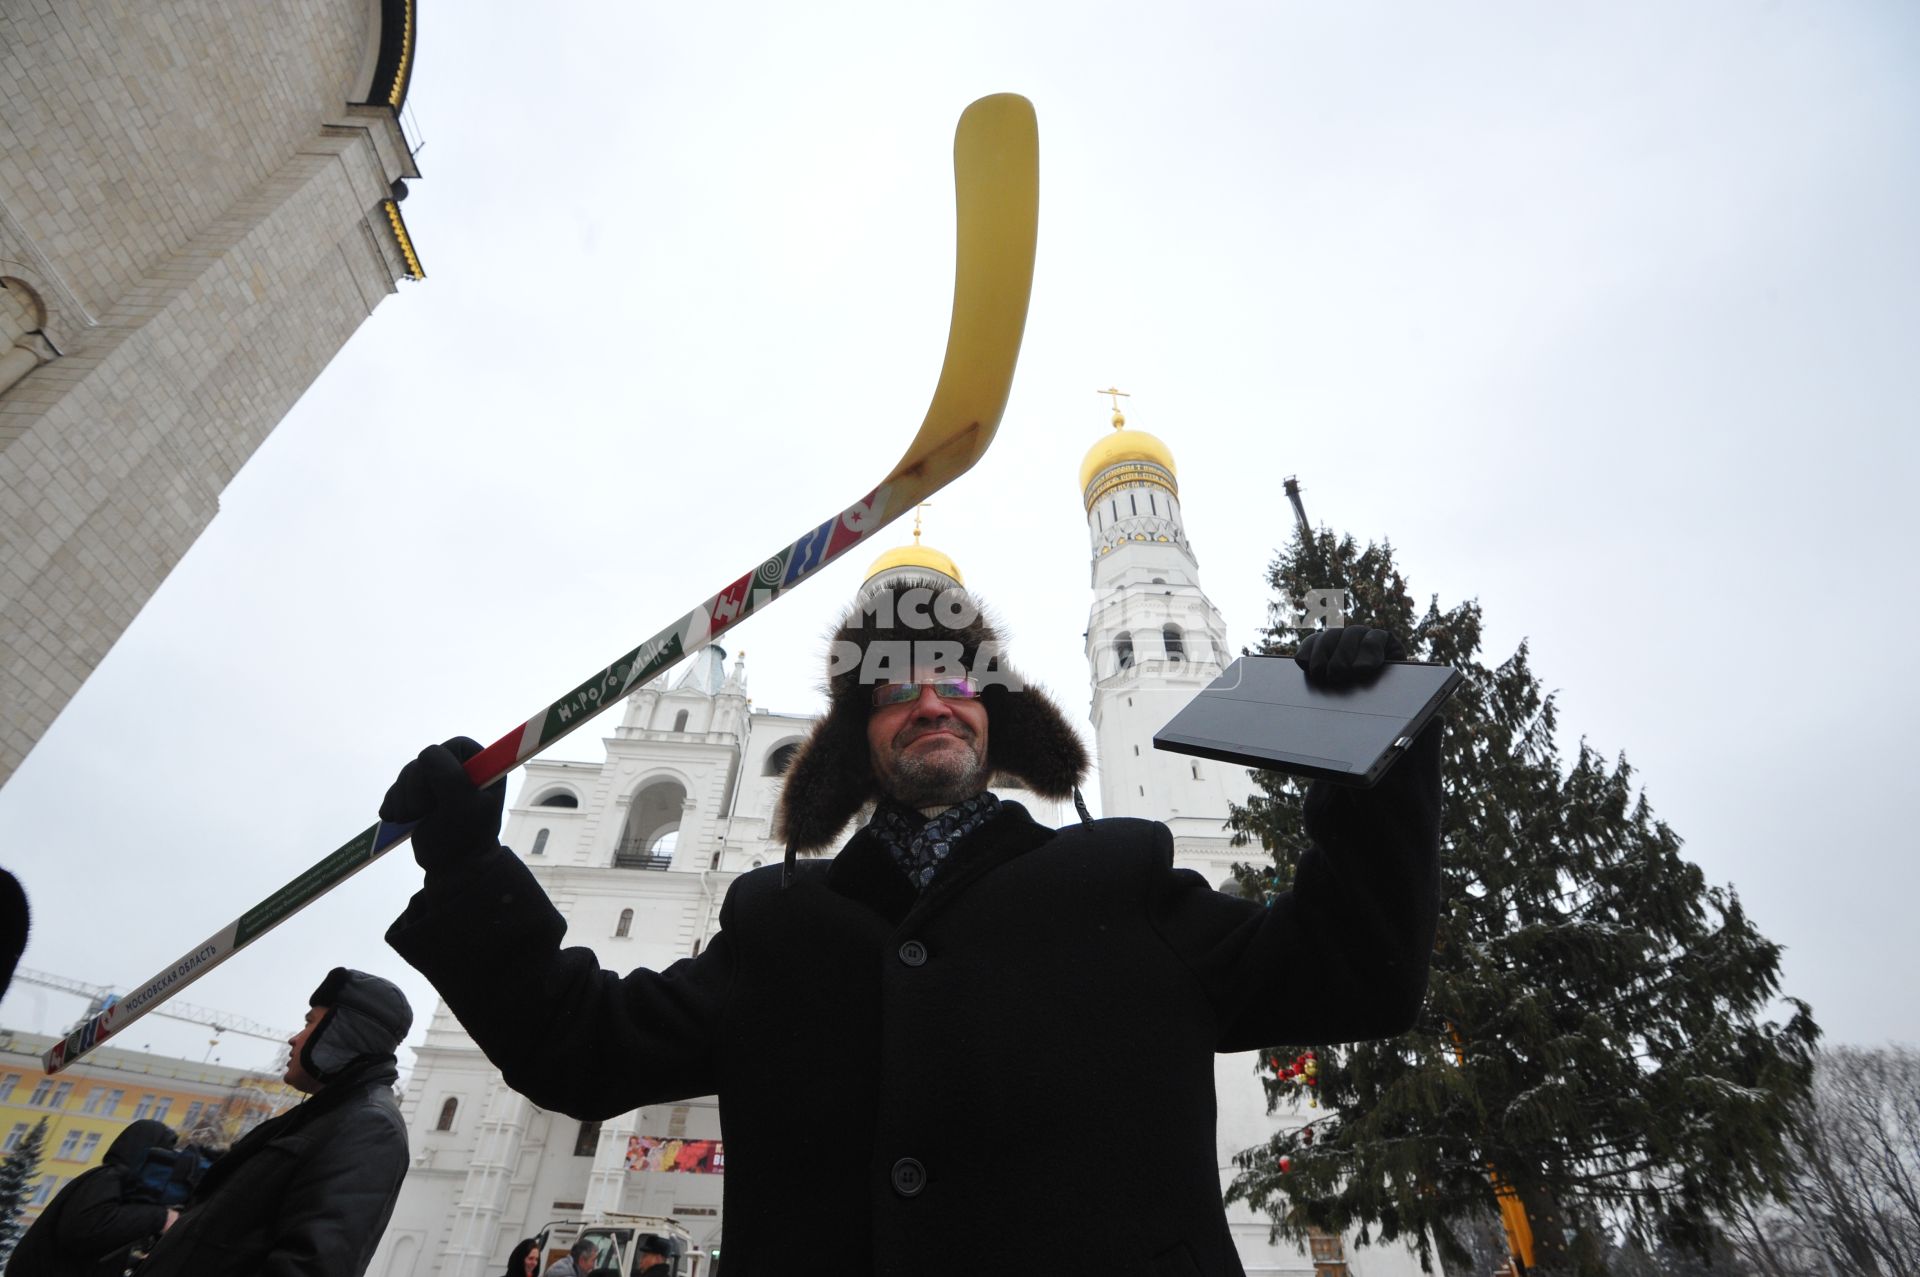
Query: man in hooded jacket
[[964, 1019], [88, 1220], [308, 1193]]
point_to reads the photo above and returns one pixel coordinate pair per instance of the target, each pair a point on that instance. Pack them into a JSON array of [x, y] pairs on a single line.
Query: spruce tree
[[16, 1179], [1594, 1033]]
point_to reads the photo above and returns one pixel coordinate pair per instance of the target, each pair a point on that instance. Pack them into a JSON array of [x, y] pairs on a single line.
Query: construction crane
[[101, 996]]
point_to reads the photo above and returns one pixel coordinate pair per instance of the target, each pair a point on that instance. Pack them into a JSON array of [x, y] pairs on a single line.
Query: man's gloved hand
[[1343, 657], [455, 819]]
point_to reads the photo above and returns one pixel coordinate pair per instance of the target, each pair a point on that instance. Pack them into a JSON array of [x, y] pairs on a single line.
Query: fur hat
[[888, 631]]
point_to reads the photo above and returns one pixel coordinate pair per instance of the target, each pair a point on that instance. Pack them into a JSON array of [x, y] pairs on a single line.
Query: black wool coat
[[1022, 1059], [304, 1194], [84, 1224]]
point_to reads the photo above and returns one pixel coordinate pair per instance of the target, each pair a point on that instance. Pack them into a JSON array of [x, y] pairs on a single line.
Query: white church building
[[637, 853]]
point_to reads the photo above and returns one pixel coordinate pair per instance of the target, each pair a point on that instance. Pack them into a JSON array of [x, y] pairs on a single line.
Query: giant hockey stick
[[996, 188]]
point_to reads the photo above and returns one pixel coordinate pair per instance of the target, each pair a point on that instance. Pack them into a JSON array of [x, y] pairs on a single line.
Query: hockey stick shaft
[[996, 187]]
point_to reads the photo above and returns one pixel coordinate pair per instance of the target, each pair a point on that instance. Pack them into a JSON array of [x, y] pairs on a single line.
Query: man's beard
[[942, 778]]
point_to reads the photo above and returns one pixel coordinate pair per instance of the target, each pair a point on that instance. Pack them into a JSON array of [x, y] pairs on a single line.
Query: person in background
[[308, 1193], [87, 1221], [577, 1262], [525, 1259]]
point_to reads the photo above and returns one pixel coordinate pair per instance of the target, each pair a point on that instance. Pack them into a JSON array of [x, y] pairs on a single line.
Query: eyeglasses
[[947, 689]]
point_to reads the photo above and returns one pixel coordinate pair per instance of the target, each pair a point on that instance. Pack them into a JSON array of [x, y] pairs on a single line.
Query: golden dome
[[924, 557], [1125, 445]]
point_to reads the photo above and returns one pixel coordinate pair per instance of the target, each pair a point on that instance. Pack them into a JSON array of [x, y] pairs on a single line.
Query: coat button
[[914, 954], [909, 1177]]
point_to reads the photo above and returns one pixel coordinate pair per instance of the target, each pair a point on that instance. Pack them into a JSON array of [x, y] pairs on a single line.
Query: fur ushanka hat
[[831, 778]]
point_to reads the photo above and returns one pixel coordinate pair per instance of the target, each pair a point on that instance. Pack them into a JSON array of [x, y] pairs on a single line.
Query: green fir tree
[[17, 1173], [1595, 1028]]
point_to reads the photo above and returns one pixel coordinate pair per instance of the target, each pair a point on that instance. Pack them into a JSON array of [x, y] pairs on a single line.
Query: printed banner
[[652, 1153]]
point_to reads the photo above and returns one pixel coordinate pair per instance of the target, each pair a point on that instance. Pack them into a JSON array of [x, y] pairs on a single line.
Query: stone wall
[[192, 217]]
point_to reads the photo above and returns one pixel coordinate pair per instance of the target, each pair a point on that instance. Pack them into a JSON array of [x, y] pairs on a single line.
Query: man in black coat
[[964, 1024], [308, 1193]]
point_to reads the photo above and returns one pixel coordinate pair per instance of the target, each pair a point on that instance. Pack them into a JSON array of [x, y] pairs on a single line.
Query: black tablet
[[1263, 713]]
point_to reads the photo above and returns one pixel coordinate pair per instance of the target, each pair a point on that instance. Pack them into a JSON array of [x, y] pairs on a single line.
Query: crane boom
[[99, 995]]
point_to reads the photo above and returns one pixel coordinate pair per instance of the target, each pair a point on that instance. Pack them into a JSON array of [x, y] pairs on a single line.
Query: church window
[[1123, 652], [1196, 771], [715, 862], [1153, 503], [540, 843], [1176, 643], [680, 721], [558, 798], [624, 927], [1143, 791], [696, 946], [1133, 504], [1115, 504], [1136, 751], [588, 1138], [447, 1111], [780, 759]]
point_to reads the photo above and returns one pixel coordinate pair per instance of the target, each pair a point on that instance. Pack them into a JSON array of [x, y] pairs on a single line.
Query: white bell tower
[[1154, 640]]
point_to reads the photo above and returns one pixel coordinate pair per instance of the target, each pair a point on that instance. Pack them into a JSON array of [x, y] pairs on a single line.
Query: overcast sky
[[1605, 315]]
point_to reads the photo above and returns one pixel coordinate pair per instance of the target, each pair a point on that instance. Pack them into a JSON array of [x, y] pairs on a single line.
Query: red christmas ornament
[[1286, 1164]]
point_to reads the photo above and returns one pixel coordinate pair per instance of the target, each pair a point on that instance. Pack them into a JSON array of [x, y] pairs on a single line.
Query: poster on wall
[[653, 1153]]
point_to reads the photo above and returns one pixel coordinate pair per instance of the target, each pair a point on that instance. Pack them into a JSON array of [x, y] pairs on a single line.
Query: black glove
[[455, 819], [1343, 657]]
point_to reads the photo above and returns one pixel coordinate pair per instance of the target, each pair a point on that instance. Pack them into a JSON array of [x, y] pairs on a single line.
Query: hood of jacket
[[367, 1018]]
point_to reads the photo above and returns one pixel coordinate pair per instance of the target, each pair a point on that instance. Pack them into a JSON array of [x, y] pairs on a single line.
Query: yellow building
[[92, 1101]]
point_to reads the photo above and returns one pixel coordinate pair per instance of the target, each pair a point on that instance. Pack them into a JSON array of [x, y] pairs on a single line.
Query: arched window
[[1123, 651], [540, 843], [680, 721], [653, 826], [1175, 642], [624, 927], [780, 759], [447, 1111], [557, 798]]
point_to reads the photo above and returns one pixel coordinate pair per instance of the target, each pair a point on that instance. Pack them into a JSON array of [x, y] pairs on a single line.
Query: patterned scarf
[[923, 847]]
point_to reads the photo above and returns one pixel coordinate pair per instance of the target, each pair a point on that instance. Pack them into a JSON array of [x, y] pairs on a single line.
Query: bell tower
[[1154, 639]]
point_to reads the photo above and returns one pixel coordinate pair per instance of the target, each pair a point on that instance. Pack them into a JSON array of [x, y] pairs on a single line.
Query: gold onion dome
[[907, 559], [1120, 447], [924, 557]]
